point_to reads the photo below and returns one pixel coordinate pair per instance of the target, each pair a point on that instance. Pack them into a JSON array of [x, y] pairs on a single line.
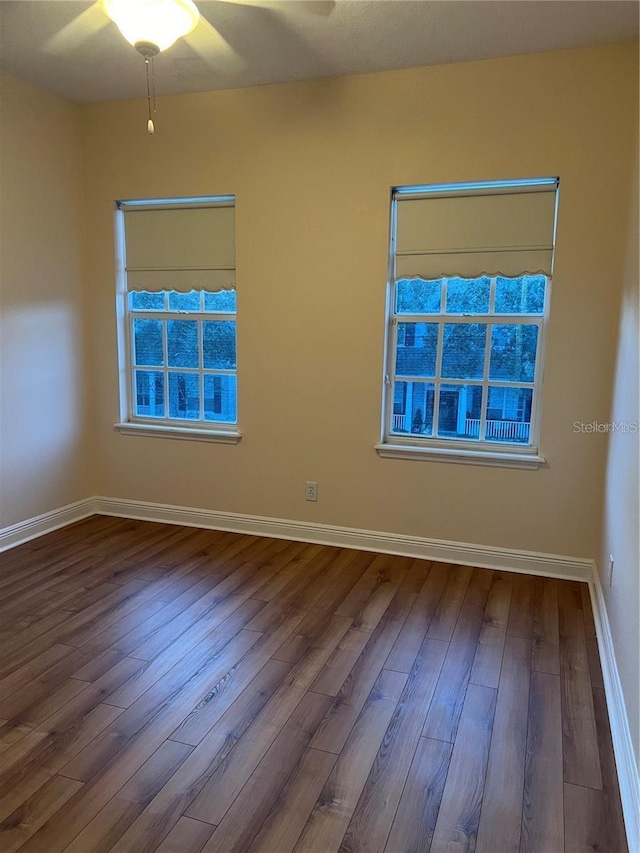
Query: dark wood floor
[[175, 690]]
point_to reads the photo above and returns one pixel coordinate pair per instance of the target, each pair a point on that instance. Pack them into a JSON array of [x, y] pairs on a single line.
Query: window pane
[[468, 295], [513, 353], [222, 301], [219, 344], [509, 414], [414, 296], [412, 408], [149, 393], [184, 395], [220, 398], [141, 300], [523, 295], [184, 301], [463, 350], [147, 342], [459, 411], [182, 343], [416, 349]]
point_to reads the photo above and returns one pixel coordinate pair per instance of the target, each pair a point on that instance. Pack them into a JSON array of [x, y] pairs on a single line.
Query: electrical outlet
[[311, 493], [610, 569]]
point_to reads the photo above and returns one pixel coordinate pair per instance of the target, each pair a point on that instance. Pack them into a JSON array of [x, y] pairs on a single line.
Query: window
[[468, 306], [177, 311]]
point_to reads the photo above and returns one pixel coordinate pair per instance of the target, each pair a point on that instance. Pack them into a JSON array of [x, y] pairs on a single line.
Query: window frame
[[131, 423], [473, 451]]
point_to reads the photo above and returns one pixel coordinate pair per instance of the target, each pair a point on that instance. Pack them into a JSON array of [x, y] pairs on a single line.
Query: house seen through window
[[468, 308]]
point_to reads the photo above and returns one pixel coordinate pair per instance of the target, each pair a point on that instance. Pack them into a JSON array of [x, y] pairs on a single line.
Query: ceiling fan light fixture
[[152, 23]]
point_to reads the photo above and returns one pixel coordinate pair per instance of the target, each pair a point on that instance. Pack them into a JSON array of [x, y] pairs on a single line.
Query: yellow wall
[[43, 459], [621, 518], [311, 165]]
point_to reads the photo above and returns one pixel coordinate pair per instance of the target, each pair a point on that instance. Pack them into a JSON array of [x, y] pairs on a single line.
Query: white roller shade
[[469, 234], [182, 281], [180, 248]]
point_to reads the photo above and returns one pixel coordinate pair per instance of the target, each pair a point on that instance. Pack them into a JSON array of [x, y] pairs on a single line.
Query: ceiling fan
[[152, 26]]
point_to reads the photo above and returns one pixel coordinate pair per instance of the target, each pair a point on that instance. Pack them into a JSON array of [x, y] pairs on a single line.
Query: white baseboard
[[482, 556], [531, 562], [23, 531], [626, 765]]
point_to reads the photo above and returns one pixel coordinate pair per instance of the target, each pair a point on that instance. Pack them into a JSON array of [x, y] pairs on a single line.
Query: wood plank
[[584, 821], [579, 735], [31, 642], [290, 812], [114, 643], [192, 653], [406, 647], [50, 739], [164, 811], [371, 821], [352, 647], [587, 610], [34, 812], [615, 828], [187, 836], [542, 817], [111, 822], [43, 753], [446, 708], [235, 589], [62, 828], [501, 816], [337, 801], [201, 719], [522, 606], [415, 820], [211, 664], [448, 608], [242, 821], [488, 658], [302, 592], [545, 655], [595, 669], [325, 594], [383, 570], [360, 678], [459, 815], [417, 575], [291, 563], [228, 779]]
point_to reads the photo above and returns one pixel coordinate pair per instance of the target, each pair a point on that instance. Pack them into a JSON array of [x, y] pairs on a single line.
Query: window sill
[[188, 433], [454, 454]]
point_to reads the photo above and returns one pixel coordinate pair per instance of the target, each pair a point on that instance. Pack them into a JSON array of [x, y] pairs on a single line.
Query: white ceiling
[[71, 48]]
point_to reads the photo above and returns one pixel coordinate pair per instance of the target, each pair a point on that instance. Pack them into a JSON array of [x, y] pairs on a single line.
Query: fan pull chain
[[150, 126], [153, 81]]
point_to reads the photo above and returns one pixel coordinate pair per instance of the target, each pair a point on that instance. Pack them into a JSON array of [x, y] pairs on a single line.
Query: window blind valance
[[180, 248], [508, 231]]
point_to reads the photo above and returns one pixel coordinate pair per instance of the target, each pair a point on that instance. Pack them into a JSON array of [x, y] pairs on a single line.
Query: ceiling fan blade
[[213, 48], [322, 8], [82, 27]]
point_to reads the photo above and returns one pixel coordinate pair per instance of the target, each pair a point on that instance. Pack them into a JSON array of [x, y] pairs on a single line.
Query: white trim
[[626, 765], [483, 556], [455, 454], [530, 562], [165, 431], [31, 528]]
